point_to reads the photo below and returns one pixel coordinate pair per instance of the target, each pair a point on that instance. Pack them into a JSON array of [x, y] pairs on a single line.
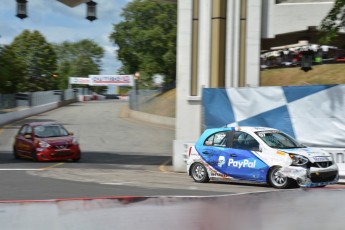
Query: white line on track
[[21, 169], [121, 183], [40, 169]]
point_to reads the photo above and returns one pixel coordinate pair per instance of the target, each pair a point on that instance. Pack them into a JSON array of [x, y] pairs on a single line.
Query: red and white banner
[[79, 80], [123, 80]]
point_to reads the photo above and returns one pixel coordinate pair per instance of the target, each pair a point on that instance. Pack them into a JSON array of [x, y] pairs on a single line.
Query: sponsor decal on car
[[221, 161], [242, 164], [321, 159]]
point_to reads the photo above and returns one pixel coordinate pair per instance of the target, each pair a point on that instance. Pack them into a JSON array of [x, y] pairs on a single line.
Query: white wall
[[253, 43], [291, 17], [265, 19]]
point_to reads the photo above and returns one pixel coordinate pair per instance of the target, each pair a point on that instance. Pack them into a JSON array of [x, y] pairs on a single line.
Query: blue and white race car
[[259, 155]]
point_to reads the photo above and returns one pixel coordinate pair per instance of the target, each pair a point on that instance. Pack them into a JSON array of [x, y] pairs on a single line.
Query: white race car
[[260, 155]]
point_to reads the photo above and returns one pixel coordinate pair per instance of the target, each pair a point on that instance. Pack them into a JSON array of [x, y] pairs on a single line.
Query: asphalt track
[[124, 157], [120, 157]]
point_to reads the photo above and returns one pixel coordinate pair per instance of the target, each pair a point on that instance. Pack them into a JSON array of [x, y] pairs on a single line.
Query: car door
[[24, 144], [242, 159], [214, 150]]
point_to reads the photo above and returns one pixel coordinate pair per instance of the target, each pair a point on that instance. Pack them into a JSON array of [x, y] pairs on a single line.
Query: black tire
[[276, 180], [76, 159], [34, 155], [15, 154], [199, 173]]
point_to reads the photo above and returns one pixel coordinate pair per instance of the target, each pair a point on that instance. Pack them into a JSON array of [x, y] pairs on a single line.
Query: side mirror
[[71, 133], [27, 136]]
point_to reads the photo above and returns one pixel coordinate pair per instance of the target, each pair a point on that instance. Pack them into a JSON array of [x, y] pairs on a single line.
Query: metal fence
[[9, 101], [138, 98]]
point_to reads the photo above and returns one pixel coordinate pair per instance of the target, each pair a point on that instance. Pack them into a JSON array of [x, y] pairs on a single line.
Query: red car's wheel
[[76, 159], [34, 155], [16, 156]]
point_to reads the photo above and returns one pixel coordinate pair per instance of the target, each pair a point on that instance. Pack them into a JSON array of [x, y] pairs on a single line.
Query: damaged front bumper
[[312, 177]]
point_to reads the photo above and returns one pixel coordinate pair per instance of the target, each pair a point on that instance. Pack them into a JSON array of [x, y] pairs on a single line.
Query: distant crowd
[[291, 57]]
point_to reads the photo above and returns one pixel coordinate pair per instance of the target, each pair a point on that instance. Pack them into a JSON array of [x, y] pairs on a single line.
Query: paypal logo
[[242, 164], [221, 161]]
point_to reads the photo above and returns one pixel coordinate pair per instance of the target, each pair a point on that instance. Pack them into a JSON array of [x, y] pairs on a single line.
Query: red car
[[46, 141]]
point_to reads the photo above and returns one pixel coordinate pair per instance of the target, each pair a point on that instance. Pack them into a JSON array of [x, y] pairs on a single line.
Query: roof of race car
[[250, 128], [210, 131], [44, 123]]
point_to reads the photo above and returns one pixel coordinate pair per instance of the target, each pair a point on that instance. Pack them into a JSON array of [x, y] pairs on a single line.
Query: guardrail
[[18, 106]]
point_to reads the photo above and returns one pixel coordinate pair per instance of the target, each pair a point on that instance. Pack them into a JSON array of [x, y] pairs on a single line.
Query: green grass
[[163, 104], [319, 75]]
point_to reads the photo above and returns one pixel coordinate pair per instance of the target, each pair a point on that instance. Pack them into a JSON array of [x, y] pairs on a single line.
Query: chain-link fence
[[11, 101], [137, 98], [7, 101]]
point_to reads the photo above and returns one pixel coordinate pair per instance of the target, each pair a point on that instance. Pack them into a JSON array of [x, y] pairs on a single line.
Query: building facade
[[219, 45]]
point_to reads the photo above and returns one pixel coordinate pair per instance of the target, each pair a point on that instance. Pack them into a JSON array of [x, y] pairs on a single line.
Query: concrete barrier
[[22, 113], [152, 118], [281, 209]]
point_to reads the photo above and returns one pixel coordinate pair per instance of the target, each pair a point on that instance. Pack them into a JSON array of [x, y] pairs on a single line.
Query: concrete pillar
[[204, 49]]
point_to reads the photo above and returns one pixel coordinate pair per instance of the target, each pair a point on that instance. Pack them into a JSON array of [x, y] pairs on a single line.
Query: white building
[[219, 46]]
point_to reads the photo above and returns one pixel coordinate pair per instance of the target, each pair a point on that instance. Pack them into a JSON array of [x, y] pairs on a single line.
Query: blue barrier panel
[[314, 115]]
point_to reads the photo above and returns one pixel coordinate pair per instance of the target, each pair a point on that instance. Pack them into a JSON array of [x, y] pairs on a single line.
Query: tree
[[333, 22], [38, 58], [11, 71], [78, 59], [146, 40]]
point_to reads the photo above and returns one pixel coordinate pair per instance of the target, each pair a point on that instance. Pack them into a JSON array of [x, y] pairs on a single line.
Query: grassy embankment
[[164, 104]]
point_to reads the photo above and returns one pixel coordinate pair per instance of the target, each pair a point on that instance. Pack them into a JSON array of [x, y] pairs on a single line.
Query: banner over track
[[104, 80]]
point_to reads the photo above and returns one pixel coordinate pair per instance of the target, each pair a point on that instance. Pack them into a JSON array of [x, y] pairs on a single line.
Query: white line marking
[[113, 183], [21, 169]]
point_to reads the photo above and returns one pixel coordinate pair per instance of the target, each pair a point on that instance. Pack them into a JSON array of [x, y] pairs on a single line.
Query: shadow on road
[[102, 158]]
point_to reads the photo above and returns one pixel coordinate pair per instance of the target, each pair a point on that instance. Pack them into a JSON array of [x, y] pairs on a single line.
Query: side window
[[23, 130], [28, 130], [245, 141], [218, 139]]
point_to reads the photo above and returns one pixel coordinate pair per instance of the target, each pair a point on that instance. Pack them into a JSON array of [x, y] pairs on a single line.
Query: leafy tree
[[77, 59], [11, 70], [38, 58], [146, 40], [333, 22]]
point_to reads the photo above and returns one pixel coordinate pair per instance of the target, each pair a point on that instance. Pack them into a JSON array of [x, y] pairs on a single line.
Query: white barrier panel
[[27, 112], [180, 150]]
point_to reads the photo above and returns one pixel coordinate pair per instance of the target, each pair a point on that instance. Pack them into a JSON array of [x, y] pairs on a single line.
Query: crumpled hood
[[308, 152]]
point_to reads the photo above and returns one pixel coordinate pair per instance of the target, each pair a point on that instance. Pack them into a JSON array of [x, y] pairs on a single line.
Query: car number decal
[[321, 159]]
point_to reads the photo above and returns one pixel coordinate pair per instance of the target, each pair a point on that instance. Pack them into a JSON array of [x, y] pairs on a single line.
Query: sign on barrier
[[79, 80], [104, 80]]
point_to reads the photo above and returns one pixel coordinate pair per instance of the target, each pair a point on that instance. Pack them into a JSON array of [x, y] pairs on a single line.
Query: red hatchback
[[46, 141]]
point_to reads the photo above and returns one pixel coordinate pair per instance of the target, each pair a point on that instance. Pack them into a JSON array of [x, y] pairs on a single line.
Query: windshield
[[50, 131], [278, 140]]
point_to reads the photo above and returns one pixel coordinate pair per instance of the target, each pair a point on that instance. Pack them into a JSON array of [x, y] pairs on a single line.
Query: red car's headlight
[[43, 144], [75, 141]]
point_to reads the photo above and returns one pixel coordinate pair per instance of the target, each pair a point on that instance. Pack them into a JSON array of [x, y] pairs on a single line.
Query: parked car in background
[[340, 59], [46, 141], [259, 155]]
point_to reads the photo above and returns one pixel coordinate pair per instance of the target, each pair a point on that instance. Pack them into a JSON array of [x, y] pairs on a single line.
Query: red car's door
[[24, 142]]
